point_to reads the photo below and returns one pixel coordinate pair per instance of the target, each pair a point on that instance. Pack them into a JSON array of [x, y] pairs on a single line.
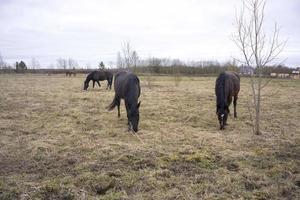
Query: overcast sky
[[92, 30]]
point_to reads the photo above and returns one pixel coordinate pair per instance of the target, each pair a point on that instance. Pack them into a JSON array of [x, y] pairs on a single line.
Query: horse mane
[[89, 76]]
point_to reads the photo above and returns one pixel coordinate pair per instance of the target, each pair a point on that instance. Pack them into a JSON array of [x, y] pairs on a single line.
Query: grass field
[[59, 142]]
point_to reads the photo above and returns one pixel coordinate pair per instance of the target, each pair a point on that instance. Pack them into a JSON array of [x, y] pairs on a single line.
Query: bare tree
[[61, 63], [34, 63], [2, 63], [127, 51], [129, 55], [120, 61], [135, 58], [88, 66], [110, 64], [257, 49], [72, 63], [51, 66]]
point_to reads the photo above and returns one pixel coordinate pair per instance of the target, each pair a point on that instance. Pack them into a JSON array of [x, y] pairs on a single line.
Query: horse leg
[[127, 109], [107, 84], [234, 105], [118, 104], [93, 83], [229, 103], [98, 83]]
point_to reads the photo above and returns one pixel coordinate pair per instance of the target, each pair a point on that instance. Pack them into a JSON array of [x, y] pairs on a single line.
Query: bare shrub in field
[[177, 79], [256, 49]]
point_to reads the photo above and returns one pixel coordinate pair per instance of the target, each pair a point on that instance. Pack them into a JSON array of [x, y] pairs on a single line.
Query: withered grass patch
[[59, 142]]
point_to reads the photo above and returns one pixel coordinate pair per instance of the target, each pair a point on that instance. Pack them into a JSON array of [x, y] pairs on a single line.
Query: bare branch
[[256, 48]]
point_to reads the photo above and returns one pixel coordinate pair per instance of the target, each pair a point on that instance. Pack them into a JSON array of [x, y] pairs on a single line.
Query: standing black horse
[[127, 87], [227, 86], [70, 73], [97, 76]]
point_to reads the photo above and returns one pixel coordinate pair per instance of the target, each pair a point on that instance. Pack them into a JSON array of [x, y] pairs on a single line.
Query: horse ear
[[138, 105]]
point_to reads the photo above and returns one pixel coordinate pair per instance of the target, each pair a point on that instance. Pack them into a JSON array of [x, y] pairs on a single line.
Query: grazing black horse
[[70, 73], [97, 76], [127, 87], [227, 86]]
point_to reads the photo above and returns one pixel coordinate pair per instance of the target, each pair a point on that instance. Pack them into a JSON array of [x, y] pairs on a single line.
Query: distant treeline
[[163, 70], [46, 71], [167, 67], [184, 70], [212, 69]]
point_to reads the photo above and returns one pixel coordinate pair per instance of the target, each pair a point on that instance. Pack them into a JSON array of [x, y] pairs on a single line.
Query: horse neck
[[88, 79], [132, 105], [132, 95], [221, 97]]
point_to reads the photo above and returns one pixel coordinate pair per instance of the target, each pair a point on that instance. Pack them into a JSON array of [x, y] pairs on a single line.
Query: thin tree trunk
[[257, 121], [258, 102]]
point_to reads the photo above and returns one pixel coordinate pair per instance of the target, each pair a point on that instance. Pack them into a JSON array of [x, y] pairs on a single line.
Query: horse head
[[134, 117], [86, 85], [222, 116]]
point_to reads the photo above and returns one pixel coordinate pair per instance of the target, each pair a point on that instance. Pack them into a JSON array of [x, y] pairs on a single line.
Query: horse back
[[232, 82], [108, 74], [98, 76], [127, 84]]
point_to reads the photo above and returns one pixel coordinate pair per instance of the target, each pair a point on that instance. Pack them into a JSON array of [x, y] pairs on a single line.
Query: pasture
[[59, 142]]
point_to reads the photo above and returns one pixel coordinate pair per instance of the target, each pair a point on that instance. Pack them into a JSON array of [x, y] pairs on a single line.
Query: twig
[[139, 138]]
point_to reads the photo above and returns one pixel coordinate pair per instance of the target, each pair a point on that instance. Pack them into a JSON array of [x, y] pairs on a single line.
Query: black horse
[[127, 87], [97, 76], [227, 86], [70, 73]]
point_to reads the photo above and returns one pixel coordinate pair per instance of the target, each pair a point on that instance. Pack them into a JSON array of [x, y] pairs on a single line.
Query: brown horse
[[227, 86]]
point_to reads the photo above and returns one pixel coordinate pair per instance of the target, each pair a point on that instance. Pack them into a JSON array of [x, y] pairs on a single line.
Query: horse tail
[[113, 104]]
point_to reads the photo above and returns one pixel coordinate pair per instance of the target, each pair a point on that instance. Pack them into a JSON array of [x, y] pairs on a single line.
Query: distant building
[[283, 75], [273, 74], [296, 74], [246, 70]]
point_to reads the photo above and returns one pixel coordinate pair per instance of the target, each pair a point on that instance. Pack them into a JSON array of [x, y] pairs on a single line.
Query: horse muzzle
[[222, 122], [131, 128]]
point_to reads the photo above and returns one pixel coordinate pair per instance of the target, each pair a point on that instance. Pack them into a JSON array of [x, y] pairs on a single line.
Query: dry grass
[[59, 142]]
